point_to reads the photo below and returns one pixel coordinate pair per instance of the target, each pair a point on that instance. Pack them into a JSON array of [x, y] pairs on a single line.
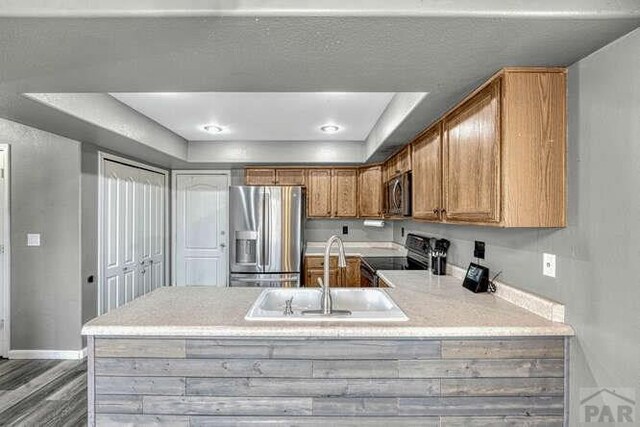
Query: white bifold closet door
[[133, 246]]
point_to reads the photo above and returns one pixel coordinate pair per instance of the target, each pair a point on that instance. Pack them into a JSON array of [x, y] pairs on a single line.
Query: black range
[[417, 259]]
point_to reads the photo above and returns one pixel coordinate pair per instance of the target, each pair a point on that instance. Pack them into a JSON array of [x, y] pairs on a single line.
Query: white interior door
[[133, 235], [202, 203]]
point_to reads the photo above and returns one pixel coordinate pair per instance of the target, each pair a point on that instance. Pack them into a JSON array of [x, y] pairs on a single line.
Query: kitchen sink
[[356, 305]]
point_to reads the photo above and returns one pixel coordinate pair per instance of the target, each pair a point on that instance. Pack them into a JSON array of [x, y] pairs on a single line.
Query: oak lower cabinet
[[427, 174], [311, 278], [370, 192], [314, 269], [352, 274], [503, 155]]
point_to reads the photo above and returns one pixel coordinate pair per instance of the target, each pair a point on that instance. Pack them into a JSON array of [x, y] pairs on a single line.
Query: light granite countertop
[[437, 307], [361, 249]]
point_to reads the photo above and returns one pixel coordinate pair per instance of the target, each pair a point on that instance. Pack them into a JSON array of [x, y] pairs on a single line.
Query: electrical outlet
[[33, 239], [478, 250], [345, 229], [549, 265]]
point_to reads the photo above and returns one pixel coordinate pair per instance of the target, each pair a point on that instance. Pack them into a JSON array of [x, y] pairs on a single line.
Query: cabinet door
[[319, 193], [370, 193], [403, 160], [472, 159], [290, 176], [260, 176], [312, 276], [387, 170], [352, 275], [427, 175], [345, 193]]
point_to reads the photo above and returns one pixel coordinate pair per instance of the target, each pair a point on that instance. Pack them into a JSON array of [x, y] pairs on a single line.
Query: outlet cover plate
[[549, 265], [33, 239], [478, 249]]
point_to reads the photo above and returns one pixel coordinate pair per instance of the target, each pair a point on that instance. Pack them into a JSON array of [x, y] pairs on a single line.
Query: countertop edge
[[304, 332]]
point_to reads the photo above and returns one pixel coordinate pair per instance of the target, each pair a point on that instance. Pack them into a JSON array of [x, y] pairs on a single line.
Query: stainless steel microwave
[[398, 195]]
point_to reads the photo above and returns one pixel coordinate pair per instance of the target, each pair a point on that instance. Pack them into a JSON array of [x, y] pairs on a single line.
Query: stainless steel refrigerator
[[266, 225]]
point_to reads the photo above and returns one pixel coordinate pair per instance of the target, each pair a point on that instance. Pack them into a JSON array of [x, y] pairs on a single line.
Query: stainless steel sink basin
[[364, 305]]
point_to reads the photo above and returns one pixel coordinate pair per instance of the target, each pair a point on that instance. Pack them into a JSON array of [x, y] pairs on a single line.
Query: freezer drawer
[[286, 280]]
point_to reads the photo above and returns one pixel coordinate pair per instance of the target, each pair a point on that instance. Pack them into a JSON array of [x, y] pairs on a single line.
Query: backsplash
[[516, 252], [319, 230]]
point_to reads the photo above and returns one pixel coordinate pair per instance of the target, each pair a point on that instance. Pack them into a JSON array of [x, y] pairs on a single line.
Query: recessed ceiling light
[[329, 128], [213, 129]]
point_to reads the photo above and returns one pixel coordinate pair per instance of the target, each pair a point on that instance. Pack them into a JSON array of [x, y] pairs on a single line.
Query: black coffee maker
[[439, 257]]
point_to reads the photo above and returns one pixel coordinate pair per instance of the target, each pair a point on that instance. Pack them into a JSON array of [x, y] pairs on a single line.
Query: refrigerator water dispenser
[[246, 243]]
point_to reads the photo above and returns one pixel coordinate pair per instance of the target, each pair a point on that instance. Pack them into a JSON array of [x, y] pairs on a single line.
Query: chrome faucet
[[326, 303]]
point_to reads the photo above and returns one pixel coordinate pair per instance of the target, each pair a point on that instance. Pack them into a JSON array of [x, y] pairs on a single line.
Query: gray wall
[[319, 230], [596, 252], [89, 266], [45, 198], [276, 152]]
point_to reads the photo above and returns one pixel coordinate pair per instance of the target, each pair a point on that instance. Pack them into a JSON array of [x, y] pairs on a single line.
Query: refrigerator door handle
[[267, 229], [255, 279]]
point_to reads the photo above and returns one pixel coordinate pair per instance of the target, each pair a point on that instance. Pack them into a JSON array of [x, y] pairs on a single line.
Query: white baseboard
[[48, 354]]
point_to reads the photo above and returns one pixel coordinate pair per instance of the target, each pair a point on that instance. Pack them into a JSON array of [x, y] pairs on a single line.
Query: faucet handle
[[320, 283], [288, 307]]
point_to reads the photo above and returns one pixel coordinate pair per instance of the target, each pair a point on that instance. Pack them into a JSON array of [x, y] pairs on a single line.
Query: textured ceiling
[[444, 55]]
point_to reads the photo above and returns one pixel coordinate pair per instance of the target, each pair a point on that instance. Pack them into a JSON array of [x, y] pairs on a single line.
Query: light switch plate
[[549, 265], [33, 239]]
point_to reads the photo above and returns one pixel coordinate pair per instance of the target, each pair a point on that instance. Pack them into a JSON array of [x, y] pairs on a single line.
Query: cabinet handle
[[443, 211], [436, 210]]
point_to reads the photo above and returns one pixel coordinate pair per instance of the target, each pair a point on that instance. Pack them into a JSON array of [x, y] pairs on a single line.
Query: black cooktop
[[394, 263]]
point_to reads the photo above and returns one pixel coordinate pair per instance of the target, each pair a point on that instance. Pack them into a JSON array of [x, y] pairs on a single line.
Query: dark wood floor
[[43, 392]]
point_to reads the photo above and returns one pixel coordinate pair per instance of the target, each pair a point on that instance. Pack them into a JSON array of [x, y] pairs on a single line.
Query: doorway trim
[[6, 245], [102, 157], [174, 210]]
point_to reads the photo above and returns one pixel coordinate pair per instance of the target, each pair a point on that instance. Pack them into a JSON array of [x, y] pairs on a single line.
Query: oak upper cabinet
[[290, 177], [270, 176], [471, 159], [319, 193], [403, 160], [397, 164], [344, 186], [426, 155], [504, 152], [370, 194], [260, 176]]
